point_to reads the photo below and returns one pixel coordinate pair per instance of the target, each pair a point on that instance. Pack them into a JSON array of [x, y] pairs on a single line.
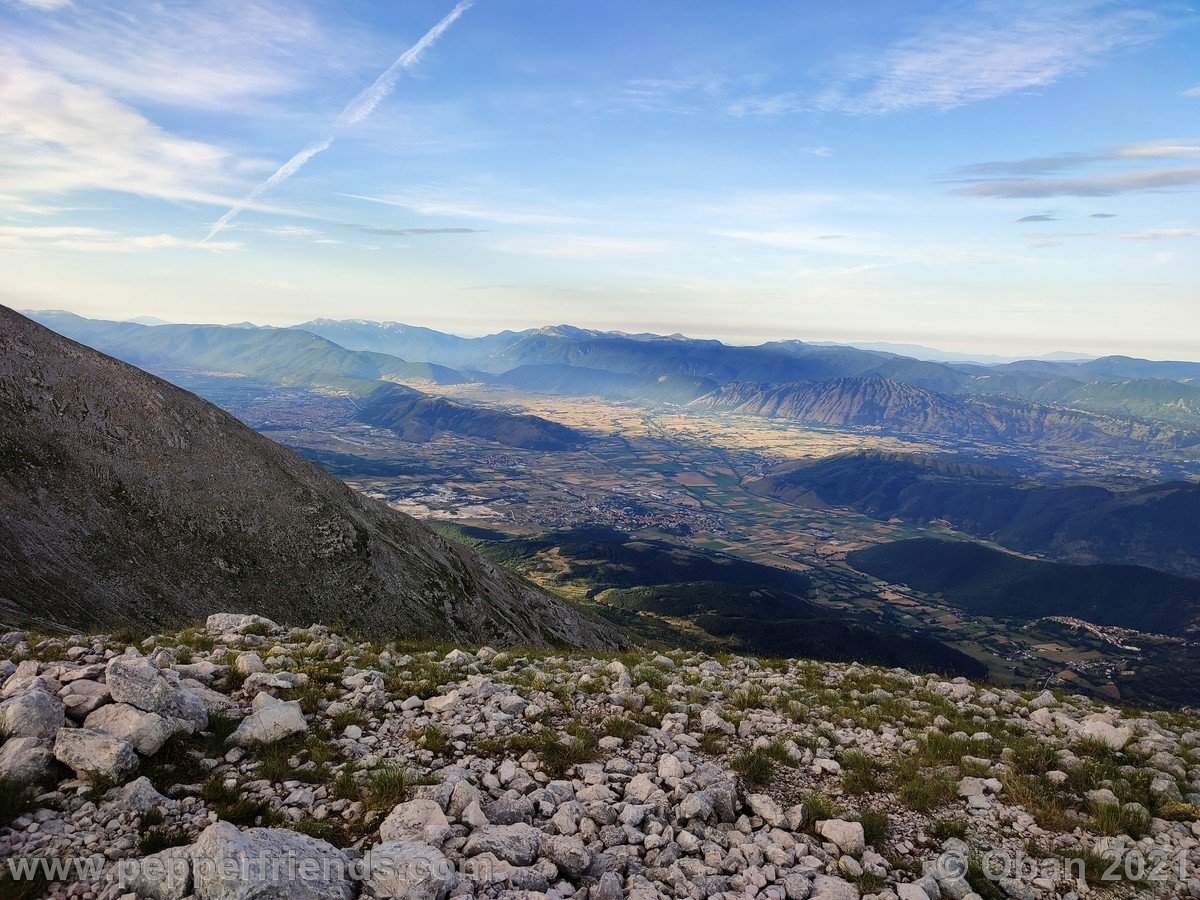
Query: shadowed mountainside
[[1156, 525], [295, 358], [127, 500], [414, 416], [994, 583]]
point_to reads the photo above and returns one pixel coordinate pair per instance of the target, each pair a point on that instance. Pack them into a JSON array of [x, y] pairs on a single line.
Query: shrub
[[756, 767], [944, 829], [157, 839], [876, 826], [388, 786], [15, 800]]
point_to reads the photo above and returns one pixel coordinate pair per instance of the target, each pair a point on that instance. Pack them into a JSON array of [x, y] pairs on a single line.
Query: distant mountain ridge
[[126, 500], [418, 417], [1155, 525], [293, 357], [896, 407], [1111, 404], [992, 583]]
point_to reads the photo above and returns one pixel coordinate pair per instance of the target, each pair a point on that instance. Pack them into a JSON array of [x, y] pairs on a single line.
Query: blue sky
[[1006, 176]]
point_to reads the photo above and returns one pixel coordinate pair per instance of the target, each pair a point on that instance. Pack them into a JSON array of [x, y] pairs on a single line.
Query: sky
[[1004, 176]]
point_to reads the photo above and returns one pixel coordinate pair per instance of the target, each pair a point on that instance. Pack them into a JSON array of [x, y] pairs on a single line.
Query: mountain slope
[[867, 402], [993, 583], [279, 355], [289, 357], [128, 500], [1156, 525], [581, 381], [893, 406], [418, 417]]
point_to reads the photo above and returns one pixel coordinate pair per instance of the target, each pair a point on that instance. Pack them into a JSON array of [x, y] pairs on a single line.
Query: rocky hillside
[[414, 416], [150, 765], [129, 501], [1155, 524], [900, 408]]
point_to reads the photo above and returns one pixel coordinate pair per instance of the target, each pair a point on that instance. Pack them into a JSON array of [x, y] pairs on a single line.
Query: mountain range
[[1132, 393], [1148, 524], [290, 357], [899, 408], [1110, 404], [127, 500]]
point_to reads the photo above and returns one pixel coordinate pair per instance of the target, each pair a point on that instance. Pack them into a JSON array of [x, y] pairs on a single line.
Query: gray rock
[[25, 760], [407, 869], [1096, 728], [35, 714], [140, 682], [136, 797], [238, 623], [147, 731], [92, 754], [228, 864], [516, 844], [848, 836], [570, 854], [419, 821], [160, 876], [270, 722], [766, 809], [827, 887]]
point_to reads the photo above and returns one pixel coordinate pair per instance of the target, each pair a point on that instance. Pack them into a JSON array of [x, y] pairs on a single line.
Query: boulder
[[271, 682], [222, 624], [25, 760], [1097, 728], [35, 714], [160, 876], [848, 836], [147, 731], [269, 723], [407, 869], [249, 663], [421, 821], [829, 887], [83, 696], [766, 809], [570, 854], [515, 844], [140, 682], [267, 864], [136, 797], [94, 754]]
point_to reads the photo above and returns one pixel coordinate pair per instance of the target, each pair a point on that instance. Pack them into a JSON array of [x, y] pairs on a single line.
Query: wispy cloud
[[1041, 217], [437, 203], [355, 111], [992, 48], [1164, 234], [220, 54], [405, 232], [58, 137], [586, 247], [767, 105], [35, 238], [1103, 216], [1048, 176], [1192, 91], [1085, 186]]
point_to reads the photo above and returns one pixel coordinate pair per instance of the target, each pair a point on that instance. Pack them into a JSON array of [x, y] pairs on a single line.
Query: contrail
[[356, 110]]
